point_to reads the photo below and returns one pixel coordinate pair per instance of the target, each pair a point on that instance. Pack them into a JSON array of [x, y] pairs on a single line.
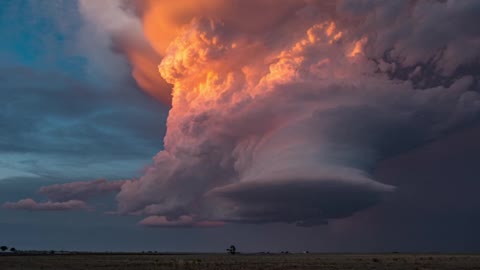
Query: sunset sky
[[191, 125]]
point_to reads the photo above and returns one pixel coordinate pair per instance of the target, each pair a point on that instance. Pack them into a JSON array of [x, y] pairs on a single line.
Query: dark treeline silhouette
[[4, 249]]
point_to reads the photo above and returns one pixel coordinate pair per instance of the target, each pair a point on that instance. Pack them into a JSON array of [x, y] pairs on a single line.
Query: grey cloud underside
[[305, 202]]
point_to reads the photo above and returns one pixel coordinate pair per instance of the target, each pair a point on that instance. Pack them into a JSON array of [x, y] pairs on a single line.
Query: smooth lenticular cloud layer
[[280, 111]]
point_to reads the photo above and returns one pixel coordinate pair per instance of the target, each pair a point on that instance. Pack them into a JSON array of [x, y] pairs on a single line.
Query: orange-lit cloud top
[[163, 21], [281, 109]]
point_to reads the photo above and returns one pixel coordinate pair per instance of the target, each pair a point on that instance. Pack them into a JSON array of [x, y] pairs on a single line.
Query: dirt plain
[[240, 262]]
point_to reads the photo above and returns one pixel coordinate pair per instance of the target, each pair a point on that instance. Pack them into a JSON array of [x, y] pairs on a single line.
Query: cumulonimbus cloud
[[282, 117]]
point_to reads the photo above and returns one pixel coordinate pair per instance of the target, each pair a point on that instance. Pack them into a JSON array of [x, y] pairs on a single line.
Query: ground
[[241, 262]]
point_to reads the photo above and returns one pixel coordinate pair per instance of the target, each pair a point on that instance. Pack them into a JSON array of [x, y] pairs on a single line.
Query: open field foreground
[[244, 262]]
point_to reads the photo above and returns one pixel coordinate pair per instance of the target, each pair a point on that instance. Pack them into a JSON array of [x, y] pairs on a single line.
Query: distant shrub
[[232, 250]]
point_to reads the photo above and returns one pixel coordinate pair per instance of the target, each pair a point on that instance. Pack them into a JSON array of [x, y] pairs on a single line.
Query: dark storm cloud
[[436, 206], [431, 42], [305, 202]]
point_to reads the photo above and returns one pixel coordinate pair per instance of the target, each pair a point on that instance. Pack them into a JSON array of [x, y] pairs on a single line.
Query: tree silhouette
[[13, 249], [232, 250], [4, 248]]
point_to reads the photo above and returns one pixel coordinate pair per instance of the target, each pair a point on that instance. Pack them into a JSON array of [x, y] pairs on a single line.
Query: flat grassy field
[[244, 262]]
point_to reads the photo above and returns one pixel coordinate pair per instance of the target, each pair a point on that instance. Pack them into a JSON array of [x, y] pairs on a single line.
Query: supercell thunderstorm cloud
[[281, 110], [282, 118]]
